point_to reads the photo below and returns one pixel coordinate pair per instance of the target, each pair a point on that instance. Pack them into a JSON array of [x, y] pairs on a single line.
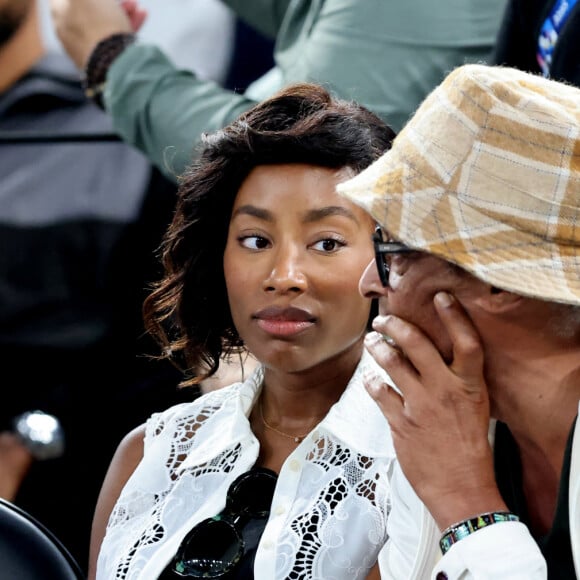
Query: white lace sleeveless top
[[330, 507]]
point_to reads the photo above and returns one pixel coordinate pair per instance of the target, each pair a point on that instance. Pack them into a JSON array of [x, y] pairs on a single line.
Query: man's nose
[[370, 285]]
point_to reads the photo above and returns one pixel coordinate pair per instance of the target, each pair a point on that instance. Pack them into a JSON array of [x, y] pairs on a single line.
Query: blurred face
[[413, 280], [294, 255], [12, 15]]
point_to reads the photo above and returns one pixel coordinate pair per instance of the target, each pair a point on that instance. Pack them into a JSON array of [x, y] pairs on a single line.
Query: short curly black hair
[[188, 312]]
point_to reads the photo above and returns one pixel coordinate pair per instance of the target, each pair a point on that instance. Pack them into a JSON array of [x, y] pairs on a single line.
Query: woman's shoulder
[[224, 400], [204, 403]]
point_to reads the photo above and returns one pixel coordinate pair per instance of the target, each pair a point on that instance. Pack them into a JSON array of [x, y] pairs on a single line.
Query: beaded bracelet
[[100, 59], [460, 530]]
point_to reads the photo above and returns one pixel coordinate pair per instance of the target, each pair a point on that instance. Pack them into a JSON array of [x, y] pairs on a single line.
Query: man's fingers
[[385, 395], [392, 360], [408, 348], [464, 361], [467, 351]]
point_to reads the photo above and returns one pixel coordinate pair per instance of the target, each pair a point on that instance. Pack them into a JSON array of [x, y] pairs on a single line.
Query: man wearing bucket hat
[[478, 280]]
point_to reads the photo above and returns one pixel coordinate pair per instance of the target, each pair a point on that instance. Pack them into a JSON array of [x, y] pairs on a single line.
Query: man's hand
[[440, 419]]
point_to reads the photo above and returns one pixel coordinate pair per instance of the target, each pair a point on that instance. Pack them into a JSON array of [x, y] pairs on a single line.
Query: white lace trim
[[329, 510]]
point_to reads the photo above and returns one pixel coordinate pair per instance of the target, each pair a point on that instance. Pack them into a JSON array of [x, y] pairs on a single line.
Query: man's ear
[[495, 300]]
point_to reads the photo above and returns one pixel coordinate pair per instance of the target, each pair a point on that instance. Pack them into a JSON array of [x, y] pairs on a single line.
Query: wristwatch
[[41, 433], [97, 67]]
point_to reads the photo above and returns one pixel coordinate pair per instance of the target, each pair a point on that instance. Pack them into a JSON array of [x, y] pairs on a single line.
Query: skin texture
[[463, 351], [290, 242]]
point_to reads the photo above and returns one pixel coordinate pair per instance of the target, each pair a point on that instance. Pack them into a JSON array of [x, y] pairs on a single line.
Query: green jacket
[[386, 54]]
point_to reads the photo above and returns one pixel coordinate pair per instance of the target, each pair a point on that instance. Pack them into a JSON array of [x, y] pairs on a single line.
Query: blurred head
[[286, 151], [13, 13]]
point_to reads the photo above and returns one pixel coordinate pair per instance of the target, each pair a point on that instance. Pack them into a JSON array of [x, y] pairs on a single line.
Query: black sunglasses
[[384, 249], [216, 546]]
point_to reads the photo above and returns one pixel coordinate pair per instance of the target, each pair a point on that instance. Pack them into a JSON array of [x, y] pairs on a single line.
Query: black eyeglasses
[[216, 546], [384, 249]]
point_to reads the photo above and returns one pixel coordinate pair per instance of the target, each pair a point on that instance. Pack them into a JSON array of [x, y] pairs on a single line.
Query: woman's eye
[[254, 242], [328, 245]]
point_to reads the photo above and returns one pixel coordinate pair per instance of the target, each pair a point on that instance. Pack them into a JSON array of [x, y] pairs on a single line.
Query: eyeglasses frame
[[382, 249]]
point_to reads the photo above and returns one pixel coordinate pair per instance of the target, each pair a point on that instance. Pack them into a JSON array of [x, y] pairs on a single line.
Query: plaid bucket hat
[[486, 175]]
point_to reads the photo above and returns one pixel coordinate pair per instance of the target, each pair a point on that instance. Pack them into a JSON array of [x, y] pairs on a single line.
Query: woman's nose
[[286, 272]]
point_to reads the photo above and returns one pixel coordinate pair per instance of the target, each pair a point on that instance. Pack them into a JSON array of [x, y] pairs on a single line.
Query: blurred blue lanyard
[[550, 32]]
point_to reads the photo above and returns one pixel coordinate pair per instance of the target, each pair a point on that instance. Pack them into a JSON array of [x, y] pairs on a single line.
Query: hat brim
[[439, 220]]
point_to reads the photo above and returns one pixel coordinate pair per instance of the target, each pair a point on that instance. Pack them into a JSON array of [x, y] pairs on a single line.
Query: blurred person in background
[[81, 214], [386, 55], [541, 36]]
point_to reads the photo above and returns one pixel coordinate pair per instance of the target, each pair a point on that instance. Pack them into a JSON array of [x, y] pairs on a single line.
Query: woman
[[285, 474]]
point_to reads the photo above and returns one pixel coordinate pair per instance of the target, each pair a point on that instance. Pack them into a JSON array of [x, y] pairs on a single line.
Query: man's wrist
[[462, 529], [99, 62]]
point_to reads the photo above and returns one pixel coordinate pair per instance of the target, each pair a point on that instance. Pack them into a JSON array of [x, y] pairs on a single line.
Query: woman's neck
[[286, 391]]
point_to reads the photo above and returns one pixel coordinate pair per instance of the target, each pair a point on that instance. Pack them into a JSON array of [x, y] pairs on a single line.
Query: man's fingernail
[[373, 337], [444, 299]]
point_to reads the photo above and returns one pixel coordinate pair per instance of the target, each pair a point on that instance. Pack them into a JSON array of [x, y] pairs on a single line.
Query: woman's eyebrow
[[252, 210], [312, 215], [315, 215]]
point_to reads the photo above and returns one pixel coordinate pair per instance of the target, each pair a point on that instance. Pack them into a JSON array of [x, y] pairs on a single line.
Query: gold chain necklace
[[297, 438]]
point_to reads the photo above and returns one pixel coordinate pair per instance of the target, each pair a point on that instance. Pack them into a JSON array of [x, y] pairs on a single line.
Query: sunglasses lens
[[252, 495], [211, 549]]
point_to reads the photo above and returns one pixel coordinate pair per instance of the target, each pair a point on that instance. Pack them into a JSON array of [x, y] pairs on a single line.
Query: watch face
[[41, 433]]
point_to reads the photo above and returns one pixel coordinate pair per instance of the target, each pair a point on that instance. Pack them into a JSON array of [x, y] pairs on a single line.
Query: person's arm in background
[[15, 460], [124, 462], [263, 15], [385, 55], [144, 78], [187, 105]]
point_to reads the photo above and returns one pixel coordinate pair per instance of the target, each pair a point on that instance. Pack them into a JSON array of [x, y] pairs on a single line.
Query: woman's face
[[294, 255]]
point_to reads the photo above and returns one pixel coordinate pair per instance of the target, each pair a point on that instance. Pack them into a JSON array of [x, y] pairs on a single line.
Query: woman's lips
[[283, 327], [281, 321]]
